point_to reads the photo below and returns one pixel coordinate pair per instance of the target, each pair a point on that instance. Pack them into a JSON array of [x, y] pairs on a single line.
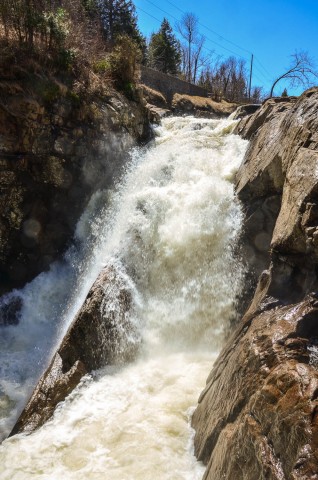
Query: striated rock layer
[[60, 140], [258, 415]]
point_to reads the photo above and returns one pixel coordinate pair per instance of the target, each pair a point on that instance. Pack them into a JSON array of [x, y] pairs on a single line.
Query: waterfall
[[171, 229]]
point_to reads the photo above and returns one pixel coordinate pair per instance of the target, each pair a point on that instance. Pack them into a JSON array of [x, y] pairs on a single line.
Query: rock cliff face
[[258, 416], [51, 132]]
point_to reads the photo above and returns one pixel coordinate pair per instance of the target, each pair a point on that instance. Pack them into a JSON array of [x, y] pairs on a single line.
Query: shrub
[[124, 63], [49, 91], [74, 98], [55, 27], [102, 66], [65, 58]]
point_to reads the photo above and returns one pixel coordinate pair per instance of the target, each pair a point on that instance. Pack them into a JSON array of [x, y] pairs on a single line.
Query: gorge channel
[[170, 232]]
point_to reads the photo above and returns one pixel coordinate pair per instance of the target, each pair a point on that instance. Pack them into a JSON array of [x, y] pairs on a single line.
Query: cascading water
[[171, 231]]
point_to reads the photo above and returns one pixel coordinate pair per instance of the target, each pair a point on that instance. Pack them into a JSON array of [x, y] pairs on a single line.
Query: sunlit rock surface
[[257, 417], [280, 167]]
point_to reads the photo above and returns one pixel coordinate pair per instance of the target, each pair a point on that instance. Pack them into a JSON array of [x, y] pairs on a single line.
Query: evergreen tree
[[285, 93], [164, 50], [118, 18], [31, 21]]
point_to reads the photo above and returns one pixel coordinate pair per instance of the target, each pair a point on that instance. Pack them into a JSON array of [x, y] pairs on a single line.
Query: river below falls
[[171, 227]]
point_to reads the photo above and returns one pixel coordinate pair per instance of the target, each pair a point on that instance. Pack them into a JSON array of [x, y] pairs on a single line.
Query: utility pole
[[251, 73]]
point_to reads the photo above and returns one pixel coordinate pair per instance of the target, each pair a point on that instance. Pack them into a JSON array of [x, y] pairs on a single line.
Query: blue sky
[[270, 29]]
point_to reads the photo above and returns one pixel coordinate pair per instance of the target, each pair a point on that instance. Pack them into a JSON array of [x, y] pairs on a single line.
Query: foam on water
[[171, 227]]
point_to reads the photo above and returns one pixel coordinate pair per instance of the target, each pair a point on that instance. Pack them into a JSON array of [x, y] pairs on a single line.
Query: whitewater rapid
[[171, 227]]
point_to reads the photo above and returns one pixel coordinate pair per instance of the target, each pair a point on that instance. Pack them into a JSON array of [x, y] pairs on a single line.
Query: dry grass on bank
[[154, 97], [42, 73], [193, 103]]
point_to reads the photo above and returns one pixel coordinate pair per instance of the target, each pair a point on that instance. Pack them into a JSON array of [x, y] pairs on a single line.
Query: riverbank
[[258, 412]]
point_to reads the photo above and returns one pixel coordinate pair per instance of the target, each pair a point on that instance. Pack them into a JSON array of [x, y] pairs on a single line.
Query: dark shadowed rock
[[10, 307], [53, 156], [244, 110], [102, 333]]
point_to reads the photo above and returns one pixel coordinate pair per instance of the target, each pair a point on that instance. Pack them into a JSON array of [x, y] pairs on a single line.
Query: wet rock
[[53, 155], [244, 110], [157, 113], [104, 332], [155, 98], [257, 417], [10, 307]]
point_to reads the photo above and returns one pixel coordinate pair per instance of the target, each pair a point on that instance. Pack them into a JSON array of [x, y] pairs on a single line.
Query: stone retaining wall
[[168, 85]]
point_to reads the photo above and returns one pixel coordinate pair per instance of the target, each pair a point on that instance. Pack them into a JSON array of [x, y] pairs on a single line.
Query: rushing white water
[[171, 228]]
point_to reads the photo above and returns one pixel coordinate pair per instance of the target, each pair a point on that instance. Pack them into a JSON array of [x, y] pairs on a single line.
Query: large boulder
[[10, 307], [104, 332]]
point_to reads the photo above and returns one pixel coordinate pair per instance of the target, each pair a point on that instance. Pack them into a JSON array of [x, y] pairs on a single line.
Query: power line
[[149, 14], [258, 78], [164, 11], [265, 78], [207, 38], [212, 52], [268, 75], [213, 31], [210, 40]]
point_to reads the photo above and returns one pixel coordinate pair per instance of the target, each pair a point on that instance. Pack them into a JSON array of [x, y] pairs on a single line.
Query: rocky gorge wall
[[258, 415], [53, 130]]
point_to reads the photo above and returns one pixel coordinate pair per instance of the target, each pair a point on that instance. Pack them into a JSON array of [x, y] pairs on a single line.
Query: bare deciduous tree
[[301, 72], [228, 79], [257, 94], [198, 59], [192, 57], [188, 29]]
